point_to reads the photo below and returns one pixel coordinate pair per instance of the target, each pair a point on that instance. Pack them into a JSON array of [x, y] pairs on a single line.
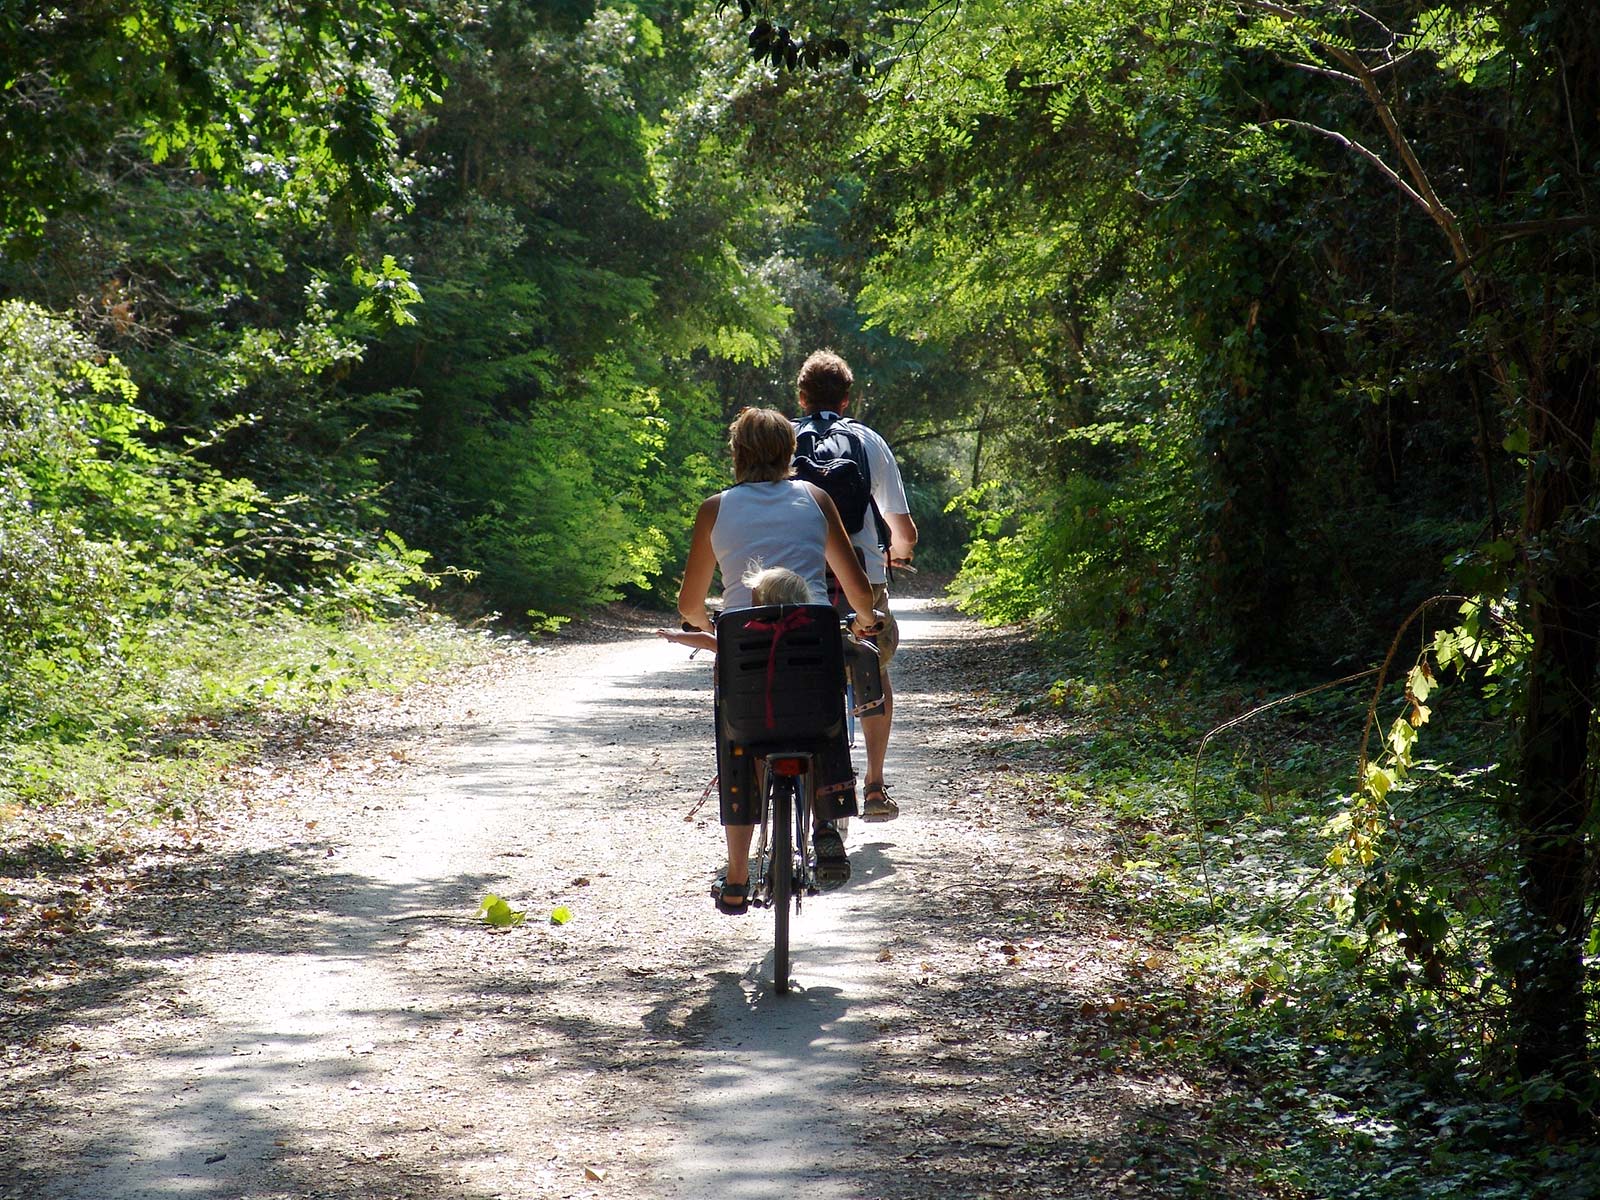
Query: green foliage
[[1002, 577], [132, 589], [566, 269], [390, 294], [1358, 1007], [557, 513], [1139, 253], [86, 515], [778, 45], [191, 698], [560, 438], [233, 90]]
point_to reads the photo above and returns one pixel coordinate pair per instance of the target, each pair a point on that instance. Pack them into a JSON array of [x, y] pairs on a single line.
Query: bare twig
[[1194, 778], [1349, 143]]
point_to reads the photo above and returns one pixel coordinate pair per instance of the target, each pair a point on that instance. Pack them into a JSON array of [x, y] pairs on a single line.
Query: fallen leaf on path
[[498, 913]]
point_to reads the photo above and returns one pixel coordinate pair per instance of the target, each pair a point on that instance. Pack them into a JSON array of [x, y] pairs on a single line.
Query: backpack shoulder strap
[[858, 445], [849, 427]]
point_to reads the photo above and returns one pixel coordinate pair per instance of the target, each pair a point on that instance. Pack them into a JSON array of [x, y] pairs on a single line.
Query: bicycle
[[785, 727]]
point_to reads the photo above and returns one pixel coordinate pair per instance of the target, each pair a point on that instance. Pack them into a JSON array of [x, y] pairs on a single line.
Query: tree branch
[[1512, 231], [1422, 185], [1371, 156], [981, 427]]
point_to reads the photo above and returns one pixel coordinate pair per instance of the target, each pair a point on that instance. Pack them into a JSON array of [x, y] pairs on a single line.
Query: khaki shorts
[[886, 639]]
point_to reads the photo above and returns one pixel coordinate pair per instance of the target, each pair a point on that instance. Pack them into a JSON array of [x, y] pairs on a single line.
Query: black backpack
[[832, 455]]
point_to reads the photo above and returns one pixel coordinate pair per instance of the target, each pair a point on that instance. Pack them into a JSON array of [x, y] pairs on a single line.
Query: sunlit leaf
[[1379, 781], [498, 913], [1419, 683]]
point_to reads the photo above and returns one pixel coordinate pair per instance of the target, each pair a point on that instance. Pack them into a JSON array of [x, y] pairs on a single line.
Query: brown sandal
[[876, 806]]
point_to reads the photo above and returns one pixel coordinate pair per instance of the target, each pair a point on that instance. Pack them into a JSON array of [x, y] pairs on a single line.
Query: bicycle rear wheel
[[780, 805]]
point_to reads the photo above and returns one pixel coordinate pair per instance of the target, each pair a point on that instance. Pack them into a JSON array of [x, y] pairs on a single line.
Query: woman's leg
[[739, 785], [739, 837]]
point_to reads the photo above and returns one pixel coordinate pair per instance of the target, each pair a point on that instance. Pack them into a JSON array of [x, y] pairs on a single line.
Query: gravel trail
[[296, 1000]]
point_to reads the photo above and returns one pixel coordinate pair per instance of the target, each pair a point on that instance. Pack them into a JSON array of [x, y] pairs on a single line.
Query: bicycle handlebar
[[846, 619]]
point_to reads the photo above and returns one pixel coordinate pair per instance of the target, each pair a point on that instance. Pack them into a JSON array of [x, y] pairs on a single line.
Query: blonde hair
[[776, 585], [762, 442]]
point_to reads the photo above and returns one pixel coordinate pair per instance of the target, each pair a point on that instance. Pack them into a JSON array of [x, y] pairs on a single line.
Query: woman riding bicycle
[[770, 519]]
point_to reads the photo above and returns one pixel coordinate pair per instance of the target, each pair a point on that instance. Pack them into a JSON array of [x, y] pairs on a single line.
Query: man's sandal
[[733, 899], [876, 806]]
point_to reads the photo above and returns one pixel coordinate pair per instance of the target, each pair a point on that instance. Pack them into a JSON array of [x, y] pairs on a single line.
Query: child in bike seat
[[779, 585]]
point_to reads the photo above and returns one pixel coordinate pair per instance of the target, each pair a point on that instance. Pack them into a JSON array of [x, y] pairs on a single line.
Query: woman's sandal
[[876, 805], [733, 899]]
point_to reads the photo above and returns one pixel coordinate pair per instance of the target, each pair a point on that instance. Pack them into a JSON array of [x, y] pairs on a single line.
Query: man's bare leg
[[875, 733]]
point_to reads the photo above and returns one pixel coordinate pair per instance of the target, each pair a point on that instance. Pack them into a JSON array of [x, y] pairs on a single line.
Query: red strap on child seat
[[798, 619]]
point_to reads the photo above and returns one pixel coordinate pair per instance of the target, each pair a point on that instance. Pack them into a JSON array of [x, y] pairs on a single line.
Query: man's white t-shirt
[[888, 492]]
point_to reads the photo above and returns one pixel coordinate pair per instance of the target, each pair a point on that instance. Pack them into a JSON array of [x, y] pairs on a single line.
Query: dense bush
[[130, 572]]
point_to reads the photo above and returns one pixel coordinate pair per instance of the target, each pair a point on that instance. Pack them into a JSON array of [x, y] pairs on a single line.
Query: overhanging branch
[[1376, 159]]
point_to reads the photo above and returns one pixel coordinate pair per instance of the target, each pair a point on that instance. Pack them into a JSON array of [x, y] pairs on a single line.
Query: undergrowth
[[193, 699], [155, 608], [1356, 1000]]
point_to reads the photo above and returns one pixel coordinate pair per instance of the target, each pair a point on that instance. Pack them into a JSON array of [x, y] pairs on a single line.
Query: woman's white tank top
[[777, 524]]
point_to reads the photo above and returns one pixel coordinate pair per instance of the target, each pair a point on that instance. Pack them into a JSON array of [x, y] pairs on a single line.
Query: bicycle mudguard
[[866, 675]]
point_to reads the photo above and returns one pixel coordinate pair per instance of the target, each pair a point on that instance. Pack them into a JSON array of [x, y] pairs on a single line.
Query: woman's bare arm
[[697, 572], [697, 640]]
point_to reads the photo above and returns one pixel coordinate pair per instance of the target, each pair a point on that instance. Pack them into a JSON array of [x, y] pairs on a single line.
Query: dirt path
[[297, 1002]]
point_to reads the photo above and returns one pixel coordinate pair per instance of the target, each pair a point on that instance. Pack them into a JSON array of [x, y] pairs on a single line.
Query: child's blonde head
[[776, 585]]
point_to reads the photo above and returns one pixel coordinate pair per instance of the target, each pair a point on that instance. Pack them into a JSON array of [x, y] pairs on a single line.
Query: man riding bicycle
[[824, 392]]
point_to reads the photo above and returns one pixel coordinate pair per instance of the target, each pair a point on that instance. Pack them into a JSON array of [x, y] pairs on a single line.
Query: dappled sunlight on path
[[308, 1006]]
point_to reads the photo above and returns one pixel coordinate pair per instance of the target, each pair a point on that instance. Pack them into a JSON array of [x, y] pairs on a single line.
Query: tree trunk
[[1247, 438], [1559, 610]]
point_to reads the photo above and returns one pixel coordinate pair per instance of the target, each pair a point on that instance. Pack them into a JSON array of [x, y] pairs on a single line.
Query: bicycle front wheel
[[780, 806]]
